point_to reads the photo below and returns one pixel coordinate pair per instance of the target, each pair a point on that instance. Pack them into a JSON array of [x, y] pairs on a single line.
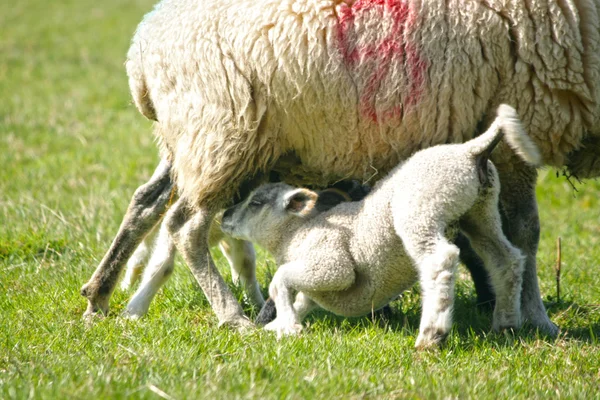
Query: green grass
[[73, 149]]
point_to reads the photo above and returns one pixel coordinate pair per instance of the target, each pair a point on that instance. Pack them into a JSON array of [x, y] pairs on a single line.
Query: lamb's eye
[[255, 203]]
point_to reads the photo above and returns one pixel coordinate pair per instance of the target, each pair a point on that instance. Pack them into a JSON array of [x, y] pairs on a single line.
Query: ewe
[[318, 91]]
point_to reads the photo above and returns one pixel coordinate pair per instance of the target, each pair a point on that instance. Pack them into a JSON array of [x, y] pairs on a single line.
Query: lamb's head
[[269, 212]]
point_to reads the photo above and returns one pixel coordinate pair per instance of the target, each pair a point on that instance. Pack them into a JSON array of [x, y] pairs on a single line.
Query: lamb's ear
[[300, 202]]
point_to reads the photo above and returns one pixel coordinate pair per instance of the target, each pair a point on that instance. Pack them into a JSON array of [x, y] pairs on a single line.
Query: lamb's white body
[[360, 255]]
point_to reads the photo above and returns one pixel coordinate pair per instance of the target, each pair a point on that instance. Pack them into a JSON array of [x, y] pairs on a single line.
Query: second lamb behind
[[358, 256]]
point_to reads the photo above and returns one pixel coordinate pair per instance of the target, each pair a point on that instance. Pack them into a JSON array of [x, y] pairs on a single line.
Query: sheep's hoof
[[91, 316], [545, 326], [240, 323], [95, 310], [284, 327]]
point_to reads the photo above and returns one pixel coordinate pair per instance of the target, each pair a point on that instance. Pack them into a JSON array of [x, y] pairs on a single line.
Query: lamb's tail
[[507, 125]]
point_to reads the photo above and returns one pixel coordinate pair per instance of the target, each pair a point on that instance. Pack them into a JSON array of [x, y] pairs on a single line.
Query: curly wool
[[350, 88]]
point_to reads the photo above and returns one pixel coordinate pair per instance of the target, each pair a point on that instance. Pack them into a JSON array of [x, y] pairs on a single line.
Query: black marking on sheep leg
[[485, 296], [267, 313], [145, 209]]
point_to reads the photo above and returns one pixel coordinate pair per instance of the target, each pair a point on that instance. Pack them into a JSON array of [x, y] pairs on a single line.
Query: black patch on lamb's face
[[268, 194], [248, 218]]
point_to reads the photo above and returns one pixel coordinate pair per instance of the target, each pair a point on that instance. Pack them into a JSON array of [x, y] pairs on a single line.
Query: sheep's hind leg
[[189, 230], [145, 209], [158, 271], [521, 225]]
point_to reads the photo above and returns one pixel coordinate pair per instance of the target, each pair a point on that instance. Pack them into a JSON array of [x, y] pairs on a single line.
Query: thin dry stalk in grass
[[557, 268]]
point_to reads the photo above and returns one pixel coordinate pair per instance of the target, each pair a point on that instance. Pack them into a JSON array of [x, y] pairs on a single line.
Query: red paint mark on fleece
[[393, 48]]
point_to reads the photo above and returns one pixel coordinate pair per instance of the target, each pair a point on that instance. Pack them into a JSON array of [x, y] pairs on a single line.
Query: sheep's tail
[[507, 125]]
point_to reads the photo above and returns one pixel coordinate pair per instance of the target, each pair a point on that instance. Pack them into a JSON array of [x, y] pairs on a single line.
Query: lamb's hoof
[[239, 323], [430, 339], [284, 327]]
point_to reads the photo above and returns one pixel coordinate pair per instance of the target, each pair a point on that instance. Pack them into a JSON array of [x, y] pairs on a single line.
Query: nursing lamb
[[358, 256], [320, 90]]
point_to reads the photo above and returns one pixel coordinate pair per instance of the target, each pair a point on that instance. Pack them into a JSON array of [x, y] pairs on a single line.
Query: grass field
[[73, 149]]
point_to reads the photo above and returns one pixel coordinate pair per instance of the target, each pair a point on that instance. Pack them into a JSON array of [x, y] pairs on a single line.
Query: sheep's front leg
[[145, 209], [522, 228], [189, 230], [299, 276]]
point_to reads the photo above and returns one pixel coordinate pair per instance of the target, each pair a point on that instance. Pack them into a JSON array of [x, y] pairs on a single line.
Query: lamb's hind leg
[[436, 260], [437, 266], [502, 260], [189, 230], [145, 209]]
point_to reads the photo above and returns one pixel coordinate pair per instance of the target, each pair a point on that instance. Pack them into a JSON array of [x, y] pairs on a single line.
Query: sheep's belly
[[375, 286]]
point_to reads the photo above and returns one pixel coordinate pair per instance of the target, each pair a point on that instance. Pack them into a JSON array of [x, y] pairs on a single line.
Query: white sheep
[[358, 256], [320, 90]]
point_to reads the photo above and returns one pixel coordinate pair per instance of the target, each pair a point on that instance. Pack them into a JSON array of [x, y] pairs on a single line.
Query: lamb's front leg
[[158, 271], [287, 321], [300, 276]]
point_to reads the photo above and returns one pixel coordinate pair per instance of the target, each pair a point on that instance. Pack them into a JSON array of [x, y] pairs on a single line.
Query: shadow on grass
[[577, 321], [472, 321], [399, 316]]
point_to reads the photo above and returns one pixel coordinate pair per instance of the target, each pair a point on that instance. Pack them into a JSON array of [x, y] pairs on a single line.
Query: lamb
[[323, 90], [358, 256]]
